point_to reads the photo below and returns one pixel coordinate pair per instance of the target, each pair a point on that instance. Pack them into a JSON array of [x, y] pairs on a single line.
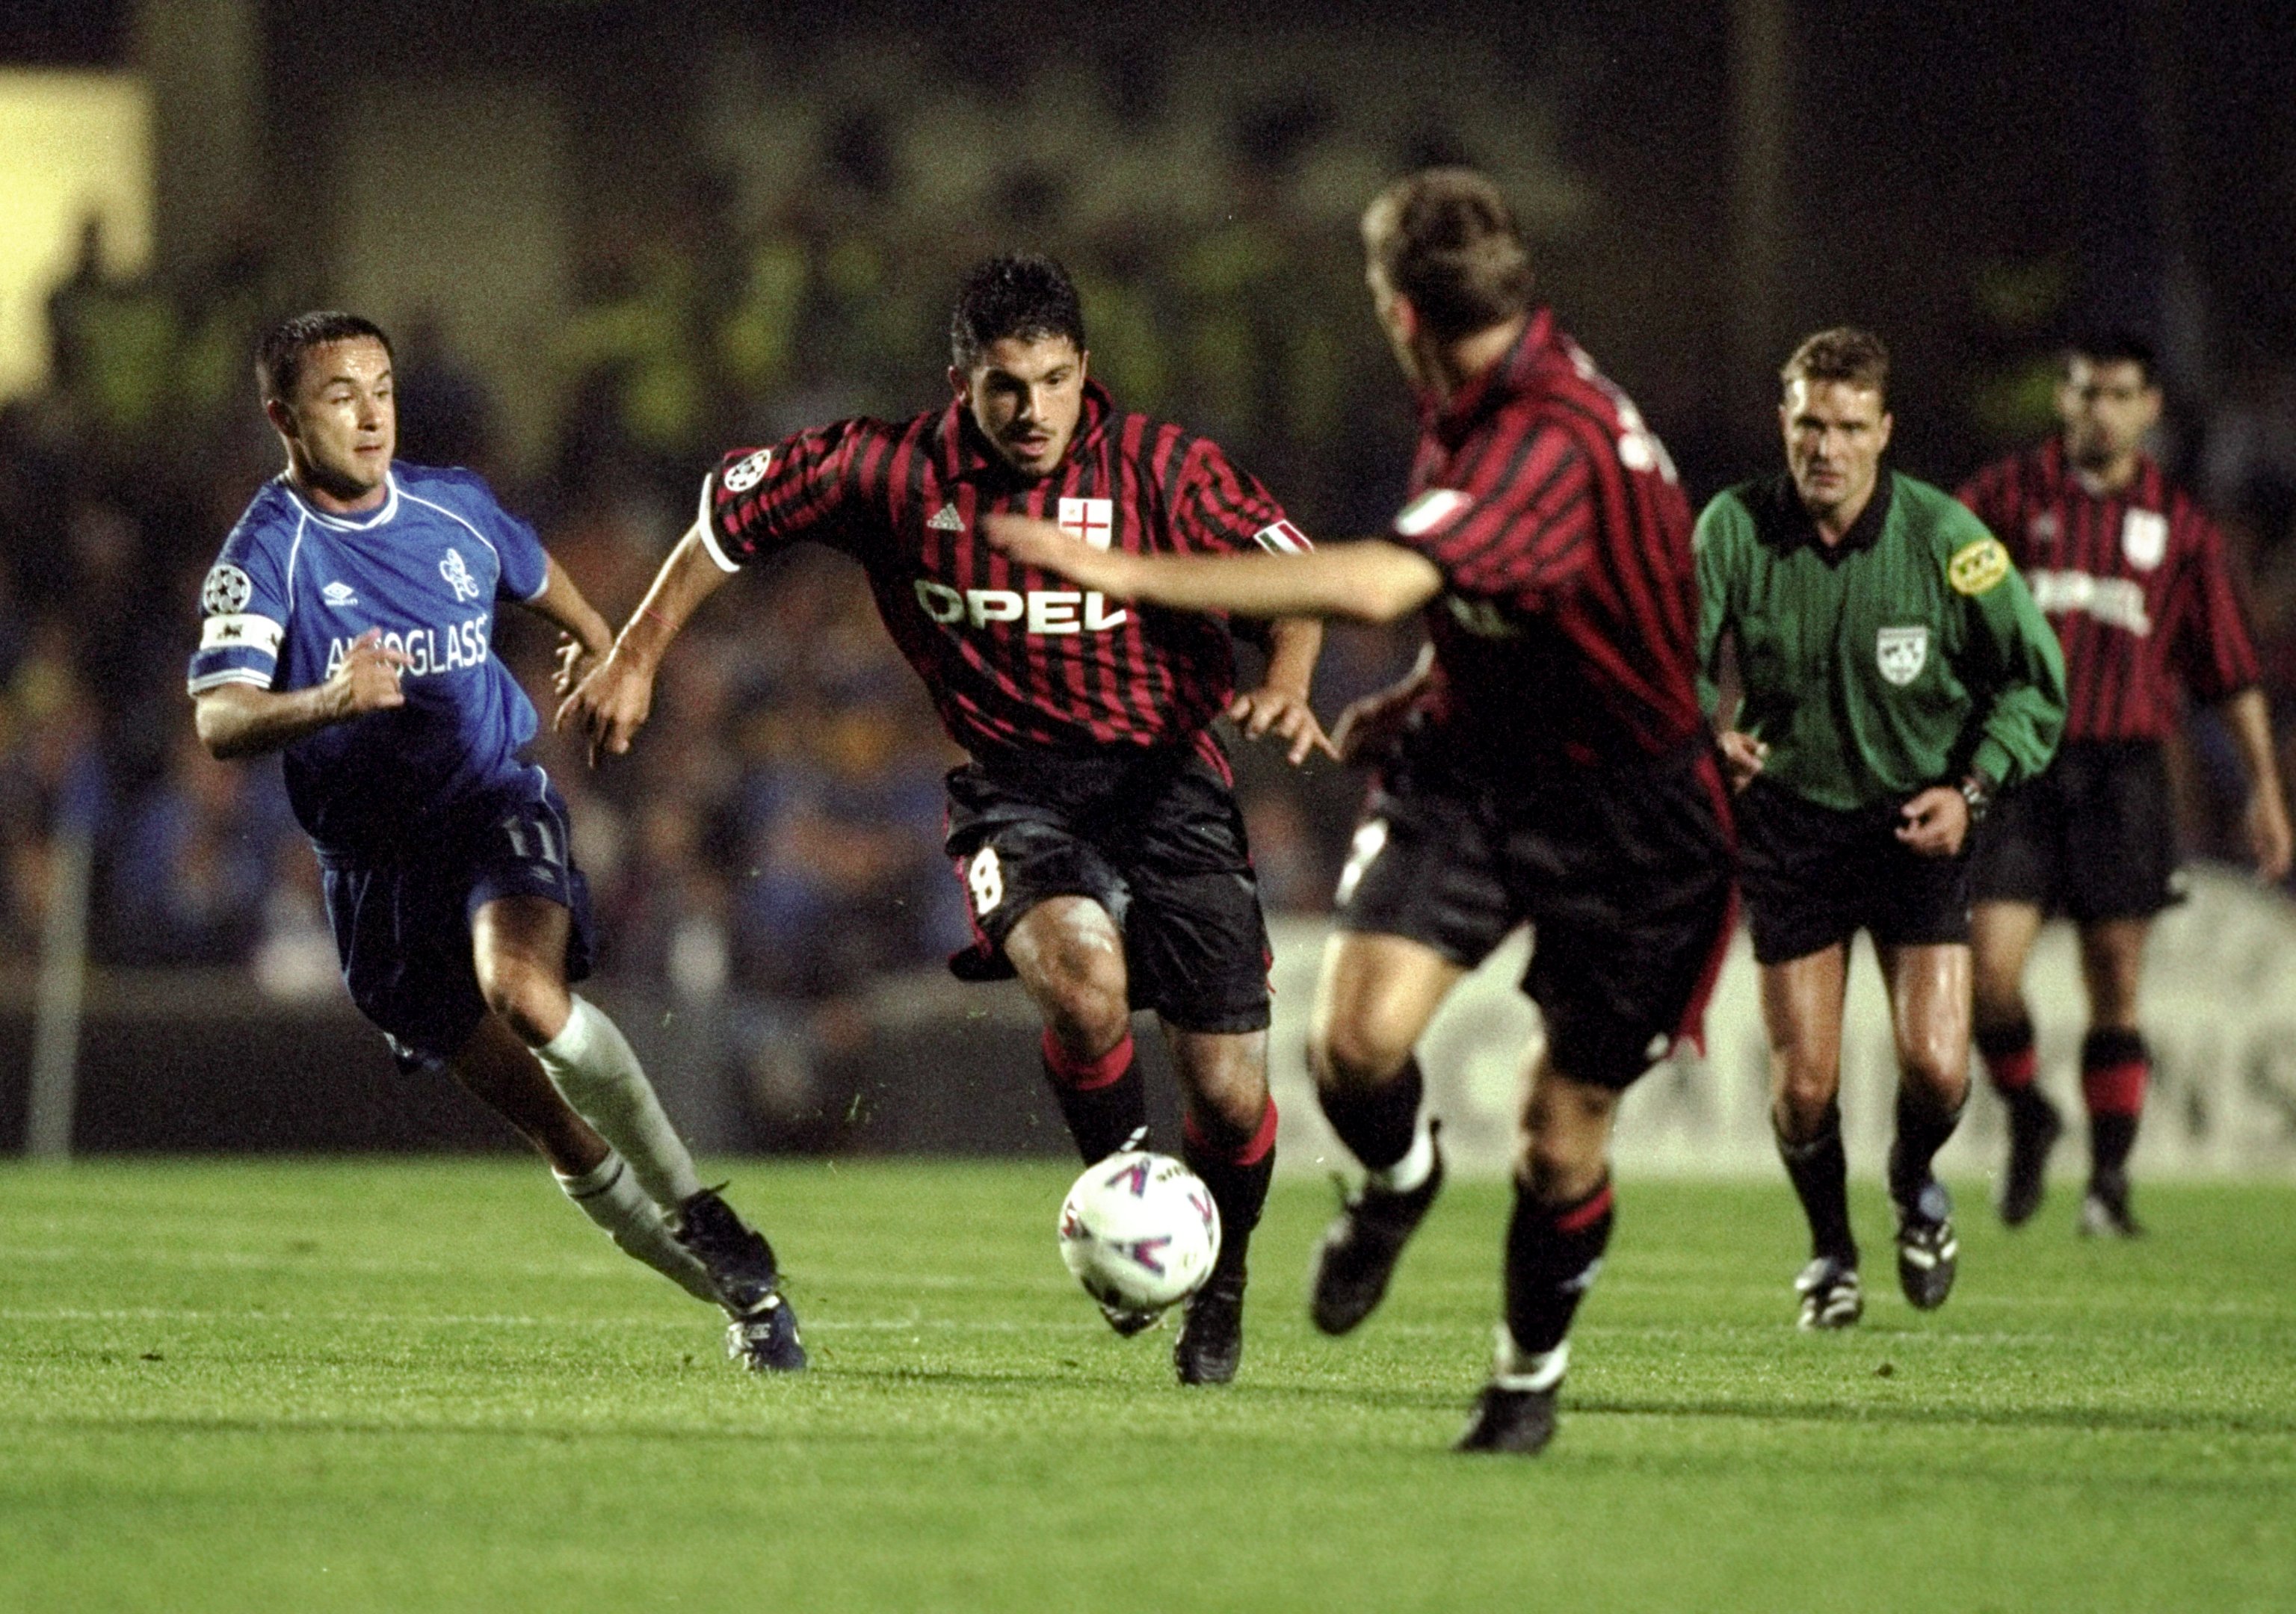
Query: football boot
[[1831, 1294], [2034, 1126], [763, 1334], [1211, 1345], [1360, 1247], [1928, 1252]]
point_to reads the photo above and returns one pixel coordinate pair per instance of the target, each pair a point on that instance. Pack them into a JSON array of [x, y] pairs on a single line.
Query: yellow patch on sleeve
[[1977, 566]]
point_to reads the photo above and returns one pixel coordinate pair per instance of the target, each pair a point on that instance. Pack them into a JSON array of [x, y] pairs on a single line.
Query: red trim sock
[[1237, 1170], [1102, 1099], [2116, 1069], [1553, 1253]]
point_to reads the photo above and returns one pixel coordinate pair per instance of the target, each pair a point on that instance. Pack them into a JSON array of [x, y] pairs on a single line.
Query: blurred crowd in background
[[774, 838]]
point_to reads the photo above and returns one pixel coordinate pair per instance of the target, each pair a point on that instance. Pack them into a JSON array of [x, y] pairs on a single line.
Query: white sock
[[609, 1195], [1515, 1368], [592, 1064], [1416, 1165]]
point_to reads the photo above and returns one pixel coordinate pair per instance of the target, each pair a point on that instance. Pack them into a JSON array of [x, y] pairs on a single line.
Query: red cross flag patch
[[1092, 519]]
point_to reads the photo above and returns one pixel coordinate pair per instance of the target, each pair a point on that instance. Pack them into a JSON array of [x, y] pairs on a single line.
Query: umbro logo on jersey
[[338, 595], [946, 519]]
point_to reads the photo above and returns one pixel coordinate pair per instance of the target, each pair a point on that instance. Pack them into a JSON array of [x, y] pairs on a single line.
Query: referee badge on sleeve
[[1977, 566], [1901, 653]]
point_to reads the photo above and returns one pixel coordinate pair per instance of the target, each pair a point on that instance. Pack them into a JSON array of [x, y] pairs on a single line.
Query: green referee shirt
[[1909, 654]]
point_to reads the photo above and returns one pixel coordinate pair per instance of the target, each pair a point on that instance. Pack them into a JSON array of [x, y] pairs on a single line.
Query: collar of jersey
[[964, 455], [378, 516], [1509, 378], [1795, 528]]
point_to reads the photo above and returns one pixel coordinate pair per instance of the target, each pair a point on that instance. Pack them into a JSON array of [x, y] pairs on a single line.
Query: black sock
[[2116, 1066], [1104, 1100], [1377, 1123], [1819, 1170], [1237, 1168], [1922, 1128], [1553, 1253], [2010, 1064]]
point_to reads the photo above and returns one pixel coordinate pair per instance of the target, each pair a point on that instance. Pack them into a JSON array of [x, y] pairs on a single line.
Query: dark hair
[[279, 353], [1020, 294], [1844, 354], [1446, 239], [2115, 347]]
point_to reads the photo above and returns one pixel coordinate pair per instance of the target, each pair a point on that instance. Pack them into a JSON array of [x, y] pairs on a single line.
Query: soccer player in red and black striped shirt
[[2133, 576], [1095, 828], [1547, 761]]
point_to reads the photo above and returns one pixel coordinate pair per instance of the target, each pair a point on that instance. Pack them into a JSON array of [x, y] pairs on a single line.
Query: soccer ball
[[1139, 1231]]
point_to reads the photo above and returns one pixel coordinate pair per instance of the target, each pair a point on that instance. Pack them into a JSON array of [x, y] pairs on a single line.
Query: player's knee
[[1351, 1053], [531, 1000], [1936, 1065], [1559, 1166], [1086, 1000], [1805, 1088]]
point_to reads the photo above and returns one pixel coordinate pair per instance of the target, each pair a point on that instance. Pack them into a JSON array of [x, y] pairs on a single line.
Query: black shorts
[[1623, 870], [402, 924], [1815, 875], [2093, 838], [1155, 839]]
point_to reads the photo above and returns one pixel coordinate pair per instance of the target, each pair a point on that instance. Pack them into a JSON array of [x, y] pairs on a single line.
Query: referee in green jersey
[[1896, 674]]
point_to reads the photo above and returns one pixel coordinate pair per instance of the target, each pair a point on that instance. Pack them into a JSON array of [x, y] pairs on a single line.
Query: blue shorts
[[402, 923]]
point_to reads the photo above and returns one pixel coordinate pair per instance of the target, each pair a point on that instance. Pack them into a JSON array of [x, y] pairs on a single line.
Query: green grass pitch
[[400, 1385]]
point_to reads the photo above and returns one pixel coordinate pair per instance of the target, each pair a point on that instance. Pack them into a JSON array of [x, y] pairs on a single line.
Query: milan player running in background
[[1546, 761], [348, 623], [2136, 580], [1094, 828]]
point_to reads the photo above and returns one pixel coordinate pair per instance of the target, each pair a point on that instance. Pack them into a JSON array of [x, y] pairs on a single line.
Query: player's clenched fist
[[609, 705], [368, 679]]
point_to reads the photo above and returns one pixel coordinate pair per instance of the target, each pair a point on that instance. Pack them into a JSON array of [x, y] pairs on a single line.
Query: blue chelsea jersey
[[295, 587]]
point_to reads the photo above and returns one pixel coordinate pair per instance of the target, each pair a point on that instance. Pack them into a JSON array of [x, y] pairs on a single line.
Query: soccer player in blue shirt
[[348, 623]]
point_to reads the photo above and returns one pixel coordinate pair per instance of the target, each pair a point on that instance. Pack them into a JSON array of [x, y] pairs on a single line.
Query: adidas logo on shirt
[[946, 519]]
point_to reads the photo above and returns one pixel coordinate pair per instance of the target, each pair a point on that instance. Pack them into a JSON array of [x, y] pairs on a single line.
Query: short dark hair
[[2115, 347], [279, 353], [1844, 354], [1446, 239], [1019, 294]]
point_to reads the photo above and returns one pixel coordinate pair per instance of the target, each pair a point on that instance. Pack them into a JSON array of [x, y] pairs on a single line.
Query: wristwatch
[[1978, 791]]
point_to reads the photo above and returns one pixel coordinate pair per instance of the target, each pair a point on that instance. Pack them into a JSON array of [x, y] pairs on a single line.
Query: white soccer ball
[[1139, 1231]]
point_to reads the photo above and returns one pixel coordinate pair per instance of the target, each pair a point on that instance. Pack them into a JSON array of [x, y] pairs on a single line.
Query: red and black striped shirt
[[1015, 658], [1567, 629], [2137, 583]]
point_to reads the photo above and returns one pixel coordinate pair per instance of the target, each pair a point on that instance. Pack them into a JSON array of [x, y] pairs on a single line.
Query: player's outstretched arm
[[1368, 581], [241, 720], [613, 699], [584, 637], [1279, 705]]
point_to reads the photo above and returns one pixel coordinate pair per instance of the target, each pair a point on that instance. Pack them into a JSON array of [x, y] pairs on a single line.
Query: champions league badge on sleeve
[[226, 591]]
